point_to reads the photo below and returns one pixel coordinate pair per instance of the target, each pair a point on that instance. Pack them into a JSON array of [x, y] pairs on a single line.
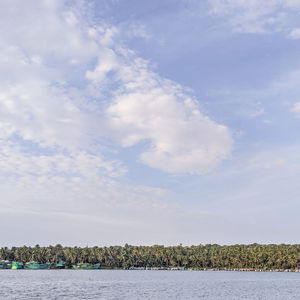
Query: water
[[110, 284]]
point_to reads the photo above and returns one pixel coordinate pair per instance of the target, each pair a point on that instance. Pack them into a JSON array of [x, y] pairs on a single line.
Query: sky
[[149, 122]]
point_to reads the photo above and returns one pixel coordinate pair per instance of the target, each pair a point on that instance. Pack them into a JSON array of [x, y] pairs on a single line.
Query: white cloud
[[17, 161], [180, 138], [138, 30], [266, 160], [257, 16], [296, 108], [69, 90], [146, 107], [90, 208], [294, 34]]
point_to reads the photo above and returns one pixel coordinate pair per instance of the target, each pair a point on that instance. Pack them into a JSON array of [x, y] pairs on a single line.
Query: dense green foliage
[[198, 257]]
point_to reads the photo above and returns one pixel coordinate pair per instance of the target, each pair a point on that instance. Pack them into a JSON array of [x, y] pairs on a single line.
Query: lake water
[[111, 284]]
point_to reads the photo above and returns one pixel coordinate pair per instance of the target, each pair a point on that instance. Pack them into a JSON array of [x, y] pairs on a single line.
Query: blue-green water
[[109, 284]]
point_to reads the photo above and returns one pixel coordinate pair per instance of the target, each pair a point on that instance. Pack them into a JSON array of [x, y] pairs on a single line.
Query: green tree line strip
[[254, 256]]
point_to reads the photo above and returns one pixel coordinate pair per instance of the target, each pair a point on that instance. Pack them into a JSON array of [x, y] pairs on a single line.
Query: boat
[[37, 266], [5, 264], [60, 265], [15, 265], [86, 266], [137, 268]]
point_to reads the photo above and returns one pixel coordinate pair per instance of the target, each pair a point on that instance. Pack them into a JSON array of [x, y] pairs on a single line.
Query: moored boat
[[5, 264], [86, 266], [37, 266], [15, 265], [60, 265]]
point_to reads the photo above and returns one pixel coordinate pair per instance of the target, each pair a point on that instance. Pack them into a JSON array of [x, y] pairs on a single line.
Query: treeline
[[254, 256]]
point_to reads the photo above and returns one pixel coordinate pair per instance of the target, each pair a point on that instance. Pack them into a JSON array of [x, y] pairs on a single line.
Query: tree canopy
[[254, 256]]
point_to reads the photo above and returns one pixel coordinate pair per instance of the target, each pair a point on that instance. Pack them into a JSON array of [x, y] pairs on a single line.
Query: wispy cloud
[[53, 94], [71, 96], [296, 108], [257, 16], [294, 34]]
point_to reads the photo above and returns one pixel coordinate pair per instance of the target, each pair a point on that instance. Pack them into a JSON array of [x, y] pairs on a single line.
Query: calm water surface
[[109, 284]]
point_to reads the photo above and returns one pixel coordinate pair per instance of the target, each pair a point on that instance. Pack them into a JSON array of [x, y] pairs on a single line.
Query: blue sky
[[160, 122]]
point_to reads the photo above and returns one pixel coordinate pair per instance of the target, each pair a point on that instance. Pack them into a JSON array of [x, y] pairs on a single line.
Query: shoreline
[[171, 270]]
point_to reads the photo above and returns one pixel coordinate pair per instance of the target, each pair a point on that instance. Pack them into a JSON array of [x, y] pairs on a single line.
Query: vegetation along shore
[[252, 257]]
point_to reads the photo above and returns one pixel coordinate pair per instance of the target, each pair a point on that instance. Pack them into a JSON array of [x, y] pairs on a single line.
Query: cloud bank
[[67, 82], [72, 95]]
